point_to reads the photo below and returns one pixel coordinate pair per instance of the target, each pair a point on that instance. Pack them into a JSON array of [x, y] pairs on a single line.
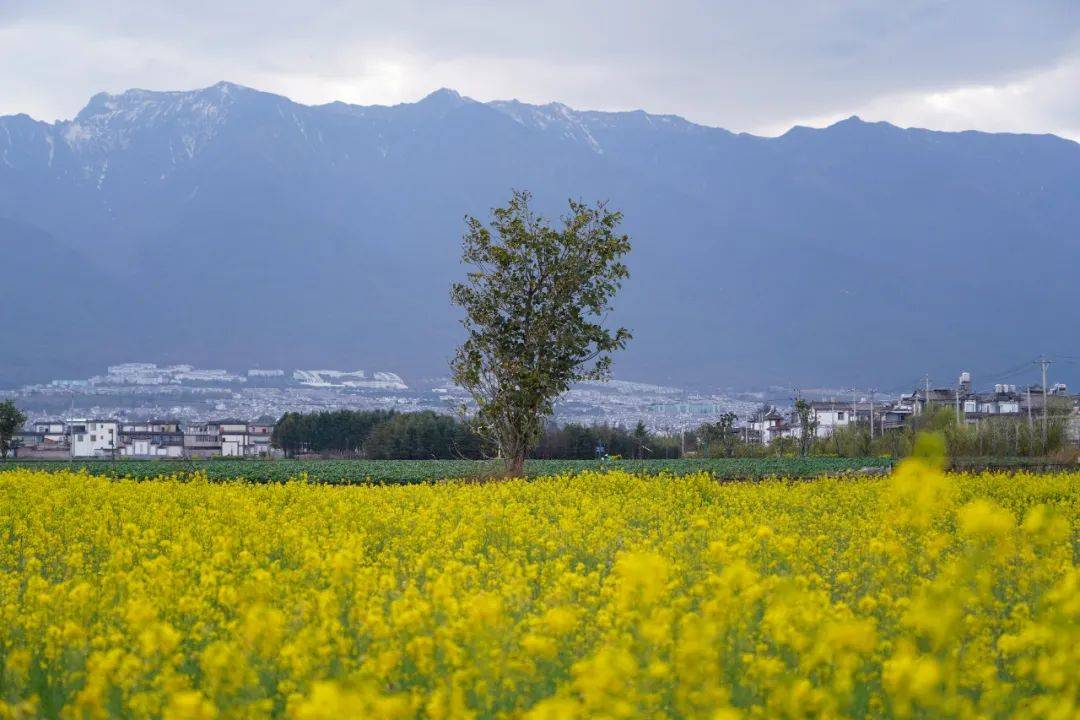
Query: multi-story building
[[94, 438], [39, 445], [240, 438], [768, 425], [52, 430], [234, 437], [828, 416], [259, 439], [152, 426], [152, 439], [201, 439]]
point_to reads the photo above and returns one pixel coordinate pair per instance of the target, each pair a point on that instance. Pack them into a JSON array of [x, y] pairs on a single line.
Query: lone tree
[[807, 425], [11, 419], [641, 440], [535, 303], [722, 431]]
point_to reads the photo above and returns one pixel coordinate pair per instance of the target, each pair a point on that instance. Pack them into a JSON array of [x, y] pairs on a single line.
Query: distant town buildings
[[354, 379], [194, 395], [145, 439], [193, 398], [827, 416]]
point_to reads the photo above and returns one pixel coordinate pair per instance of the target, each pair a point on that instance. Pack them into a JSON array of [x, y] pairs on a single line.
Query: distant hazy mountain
[[231, 227]]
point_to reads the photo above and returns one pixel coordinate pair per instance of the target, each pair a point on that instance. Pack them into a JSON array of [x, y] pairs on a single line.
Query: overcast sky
[[753, 65]]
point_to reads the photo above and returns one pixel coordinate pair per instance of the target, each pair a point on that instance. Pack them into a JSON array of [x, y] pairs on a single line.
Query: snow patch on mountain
[[192, 119], [553, 117]]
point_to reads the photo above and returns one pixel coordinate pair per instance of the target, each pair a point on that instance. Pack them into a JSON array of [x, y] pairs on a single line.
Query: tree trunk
[[515, 464]]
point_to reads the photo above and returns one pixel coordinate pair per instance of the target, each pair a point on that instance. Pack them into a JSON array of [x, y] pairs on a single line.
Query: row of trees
[[581, 442], [385, 435], [379, 434], [333, 432]]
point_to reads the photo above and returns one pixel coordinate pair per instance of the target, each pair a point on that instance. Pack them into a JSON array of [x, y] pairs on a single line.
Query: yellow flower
[[982, 518], [560, 620], [540, 646], [642, 578], [189, 705], [596, 595], [1045, 525], [911, 678]]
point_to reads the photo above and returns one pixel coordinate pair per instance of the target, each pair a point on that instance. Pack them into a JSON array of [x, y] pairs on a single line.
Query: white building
[[146, 445], [94, 438], [201, 439], [234, 437], [152, 439], [828, 417], [768, 425], [52, 430], [259, 439]]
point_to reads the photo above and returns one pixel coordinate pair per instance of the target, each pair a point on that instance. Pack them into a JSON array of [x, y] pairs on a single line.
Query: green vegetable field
[[411, 471]]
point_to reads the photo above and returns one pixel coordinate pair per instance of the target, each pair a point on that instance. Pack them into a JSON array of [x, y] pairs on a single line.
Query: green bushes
[[992, 437]]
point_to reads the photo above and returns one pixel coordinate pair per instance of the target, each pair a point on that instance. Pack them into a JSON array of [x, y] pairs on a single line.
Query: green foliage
[[383, 435], [991, 437], [11, 419], [413, 471], [422, 435], [534, 301], [641, 441], [340, 431], [574, 441], [719, 439], [807, 425]]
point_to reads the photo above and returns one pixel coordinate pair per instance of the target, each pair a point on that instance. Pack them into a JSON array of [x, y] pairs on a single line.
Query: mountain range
[[232, 227]]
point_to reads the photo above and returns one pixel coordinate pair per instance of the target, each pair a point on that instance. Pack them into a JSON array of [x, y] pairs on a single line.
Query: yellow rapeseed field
[[597, 596]]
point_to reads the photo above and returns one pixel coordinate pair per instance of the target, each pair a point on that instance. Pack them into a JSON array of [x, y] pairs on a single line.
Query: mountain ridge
[[749, 250], [225, 88]]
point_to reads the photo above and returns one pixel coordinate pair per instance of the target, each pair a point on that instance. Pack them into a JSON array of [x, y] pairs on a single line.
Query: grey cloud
[[742, 65]]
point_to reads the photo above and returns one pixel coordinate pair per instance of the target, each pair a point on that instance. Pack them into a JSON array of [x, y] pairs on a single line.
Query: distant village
[[770, 424], [149, 439], [186, 394], [108, 438]]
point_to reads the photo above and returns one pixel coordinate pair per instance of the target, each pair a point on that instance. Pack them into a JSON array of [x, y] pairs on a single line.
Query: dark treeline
[[582, 442], [423, 435], [376, 434], [386, 435], [339, 431]]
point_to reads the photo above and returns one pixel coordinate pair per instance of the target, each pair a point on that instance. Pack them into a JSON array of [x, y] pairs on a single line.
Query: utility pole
[[795, 414], [854, 406], [926, 404], [1046, 400], [958, 420], [1030, 422], [873, 392]]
